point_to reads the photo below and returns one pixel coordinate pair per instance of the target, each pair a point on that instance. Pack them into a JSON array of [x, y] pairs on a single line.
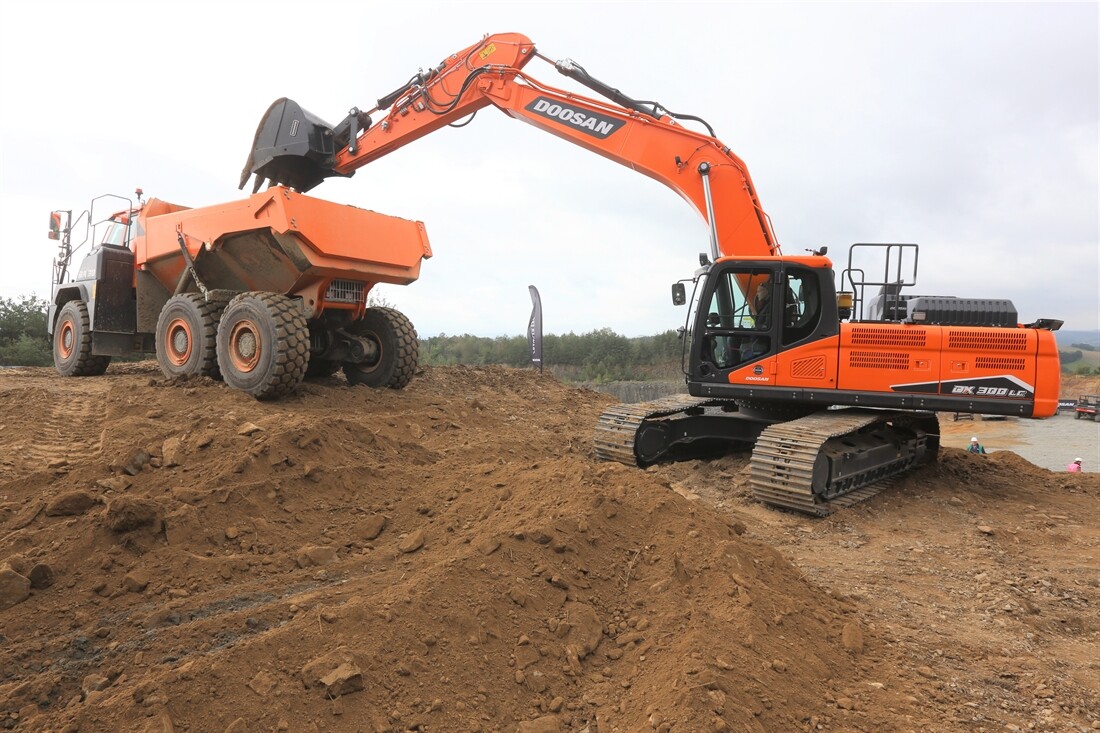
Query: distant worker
[[1074, 467], [975, 446]]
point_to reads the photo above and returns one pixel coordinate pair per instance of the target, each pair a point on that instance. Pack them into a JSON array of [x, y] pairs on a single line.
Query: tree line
[[597, 356]]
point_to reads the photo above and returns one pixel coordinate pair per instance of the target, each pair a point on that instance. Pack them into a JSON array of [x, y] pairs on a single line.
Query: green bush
[[23, 337]]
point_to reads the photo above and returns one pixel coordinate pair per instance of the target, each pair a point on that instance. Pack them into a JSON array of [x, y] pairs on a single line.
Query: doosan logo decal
[[758, 370], [586, 121]]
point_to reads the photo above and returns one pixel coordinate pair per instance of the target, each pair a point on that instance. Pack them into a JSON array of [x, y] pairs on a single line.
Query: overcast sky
[[970, 129]]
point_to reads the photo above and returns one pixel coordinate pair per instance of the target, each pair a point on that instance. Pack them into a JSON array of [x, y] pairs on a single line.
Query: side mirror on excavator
[[55, 225], [679, 294]]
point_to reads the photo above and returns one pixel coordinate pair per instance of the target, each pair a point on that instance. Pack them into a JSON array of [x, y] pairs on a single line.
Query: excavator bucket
[[292, 148]]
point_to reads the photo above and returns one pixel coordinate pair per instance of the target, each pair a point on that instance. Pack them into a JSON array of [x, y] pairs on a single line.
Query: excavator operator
[[761, 304], [728, 350]]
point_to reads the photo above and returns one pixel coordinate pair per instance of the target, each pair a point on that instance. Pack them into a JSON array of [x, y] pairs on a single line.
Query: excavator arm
[[297, 149]]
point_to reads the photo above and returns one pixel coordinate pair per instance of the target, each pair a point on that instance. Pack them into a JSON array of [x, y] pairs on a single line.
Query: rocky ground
[[180, 557]]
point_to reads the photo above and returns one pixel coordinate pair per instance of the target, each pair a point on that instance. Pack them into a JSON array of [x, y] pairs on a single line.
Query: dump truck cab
[[103, 283]]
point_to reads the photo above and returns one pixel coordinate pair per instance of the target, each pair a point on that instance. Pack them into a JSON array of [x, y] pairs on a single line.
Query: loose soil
[[176, 556]]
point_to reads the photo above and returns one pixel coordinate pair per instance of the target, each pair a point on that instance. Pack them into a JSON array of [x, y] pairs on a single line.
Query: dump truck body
[[281, 241], [163, 275]]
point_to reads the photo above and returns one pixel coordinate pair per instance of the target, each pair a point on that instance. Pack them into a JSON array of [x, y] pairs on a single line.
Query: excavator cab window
[[740, 300], [739, 317], [801, 304]]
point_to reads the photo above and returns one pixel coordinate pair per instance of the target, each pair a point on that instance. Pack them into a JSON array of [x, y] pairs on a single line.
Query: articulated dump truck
[[259, 292]]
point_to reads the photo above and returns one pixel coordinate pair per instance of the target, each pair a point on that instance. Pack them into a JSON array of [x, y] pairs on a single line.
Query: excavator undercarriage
[[812, 464]]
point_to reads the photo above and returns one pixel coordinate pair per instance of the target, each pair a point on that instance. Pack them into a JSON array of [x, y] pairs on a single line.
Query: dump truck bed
[[282, 241]]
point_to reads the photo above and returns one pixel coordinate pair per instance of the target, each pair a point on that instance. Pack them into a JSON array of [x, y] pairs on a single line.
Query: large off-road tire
[[72, 343], [263, 344], [398, 350], [187, 336]]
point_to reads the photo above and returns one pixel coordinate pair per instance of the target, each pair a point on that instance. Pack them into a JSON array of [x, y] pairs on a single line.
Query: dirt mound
[[450, 557], [1075, 385]]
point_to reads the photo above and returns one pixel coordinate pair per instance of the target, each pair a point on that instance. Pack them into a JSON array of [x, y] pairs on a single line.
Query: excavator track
[[811, 465], [618, 427]]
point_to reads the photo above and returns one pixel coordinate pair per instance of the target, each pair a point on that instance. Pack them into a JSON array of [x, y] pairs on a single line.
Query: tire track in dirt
[[70, 429]]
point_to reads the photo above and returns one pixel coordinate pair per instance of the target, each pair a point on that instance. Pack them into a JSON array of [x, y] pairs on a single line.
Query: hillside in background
[[1066, 339]]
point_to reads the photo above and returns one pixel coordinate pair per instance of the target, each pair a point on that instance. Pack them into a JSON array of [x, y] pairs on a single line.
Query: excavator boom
[[297, 149]]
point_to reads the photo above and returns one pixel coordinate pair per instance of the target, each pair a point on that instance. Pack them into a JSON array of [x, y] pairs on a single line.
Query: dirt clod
[[14, 588], [127, 513], [71, 503], [852, 636], [41, 576]]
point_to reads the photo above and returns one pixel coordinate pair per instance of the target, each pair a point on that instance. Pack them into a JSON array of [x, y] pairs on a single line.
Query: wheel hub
[[369, 352], [244, 346], [65, 340], [178, 346]]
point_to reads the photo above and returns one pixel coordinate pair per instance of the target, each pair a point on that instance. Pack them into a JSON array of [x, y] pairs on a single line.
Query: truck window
[[116, 234]]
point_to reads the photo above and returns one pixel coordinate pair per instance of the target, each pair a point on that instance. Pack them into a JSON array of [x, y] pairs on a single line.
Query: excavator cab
[[749, 311]]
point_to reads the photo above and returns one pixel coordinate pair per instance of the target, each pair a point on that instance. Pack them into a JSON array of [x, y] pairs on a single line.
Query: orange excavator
[[836, 388]]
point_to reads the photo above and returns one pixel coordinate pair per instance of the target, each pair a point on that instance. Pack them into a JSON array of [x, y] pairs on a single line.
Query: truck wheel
[[72, 343], [186, 339], [263, 344], [398, 350]]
